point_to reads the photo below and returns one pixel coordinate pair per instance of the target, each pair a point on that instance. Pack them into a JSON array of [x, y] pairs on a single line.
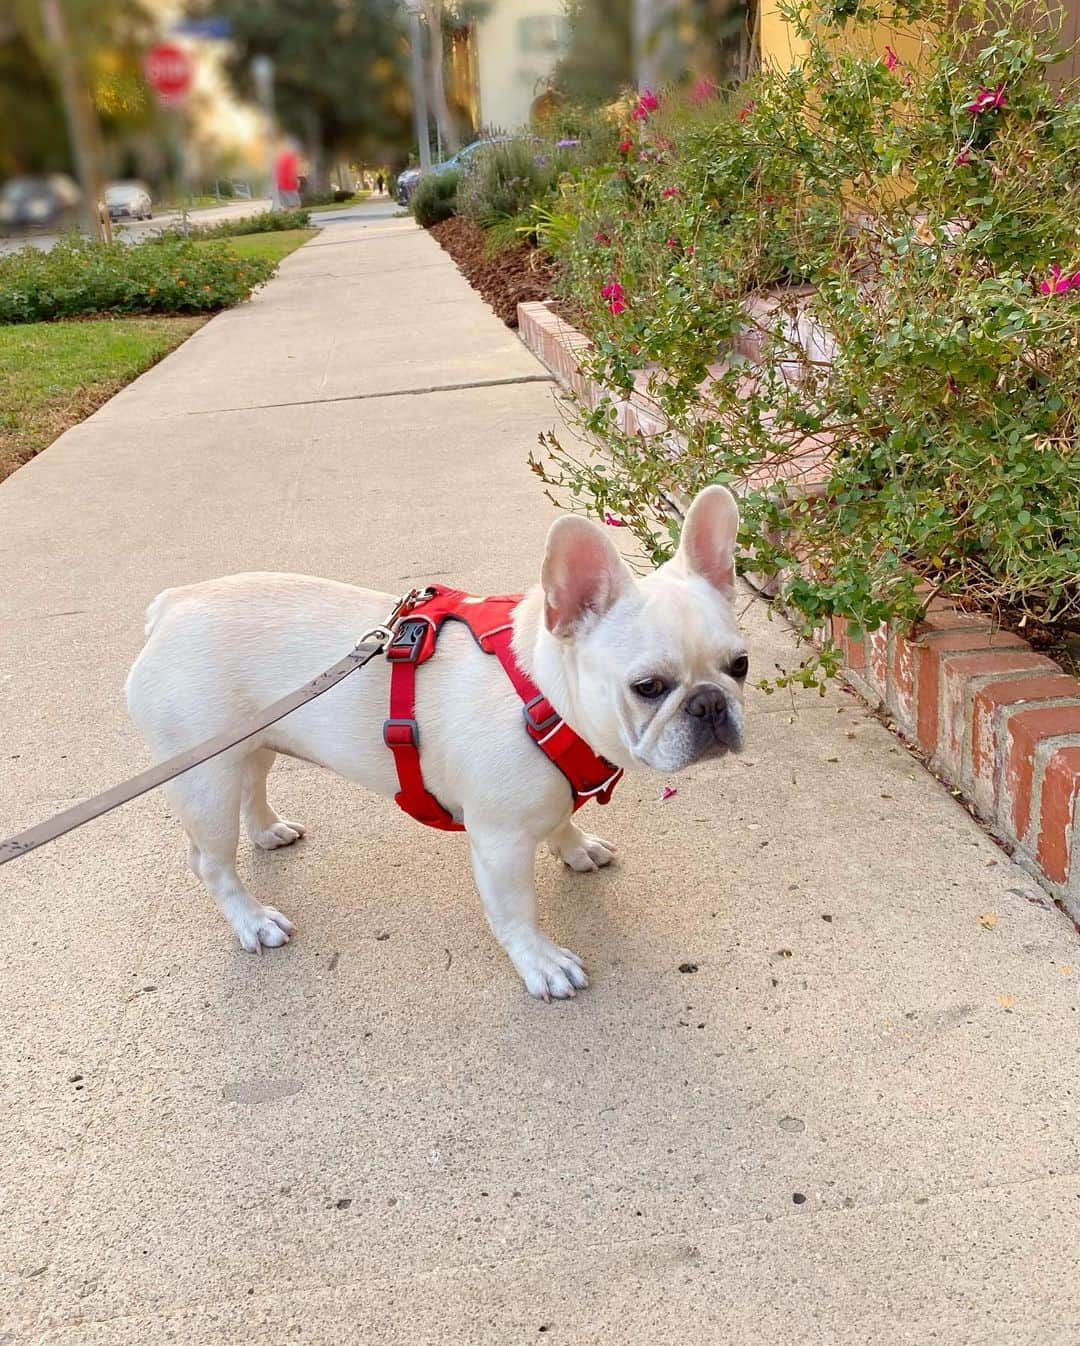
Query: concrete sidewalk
[[855, 1122]]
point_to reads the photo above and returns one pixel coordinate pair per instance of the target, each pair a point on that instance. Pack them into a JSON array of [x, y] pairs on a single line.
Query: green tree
[[112, 36], [340, 83], [599, 59]]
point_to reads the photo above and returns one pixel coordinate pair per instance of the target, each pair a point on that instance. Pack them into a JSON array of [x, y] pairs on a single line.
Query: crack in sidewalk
[[370, 397]]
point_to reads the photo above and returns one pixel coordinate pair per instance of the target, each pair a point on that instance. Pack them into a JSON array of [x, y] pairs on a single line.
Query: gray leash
[[371, 643]]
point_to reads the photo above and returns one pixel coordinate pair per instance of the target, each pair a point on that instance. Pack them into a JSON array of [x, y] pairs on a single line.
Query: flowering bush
[[504, 180], [915, 224], [78, 277]]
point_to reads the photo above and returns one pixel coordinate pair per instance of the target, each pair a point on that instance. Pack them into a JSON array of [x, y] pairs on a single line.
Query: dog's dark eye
[[739, 666], [651, 688]]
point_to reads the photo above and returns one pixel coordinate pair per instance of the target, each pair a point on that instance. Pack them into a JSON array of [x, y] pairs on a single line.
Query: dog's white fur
[[586, 634]]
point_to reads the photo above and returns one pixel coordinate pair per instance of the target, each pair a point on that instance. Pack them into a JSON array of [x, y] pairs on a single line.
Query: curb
[[999, 723]]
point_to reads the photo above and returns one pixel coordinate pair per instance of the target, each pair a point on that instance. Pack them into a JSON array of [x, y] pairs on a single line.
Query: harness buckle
[[408, 641], [401, 734], [538, 726]]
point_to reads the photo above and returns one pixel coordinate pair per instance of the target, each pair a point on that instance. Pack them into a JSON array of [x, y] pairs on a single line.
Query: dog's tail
[[155, 610]]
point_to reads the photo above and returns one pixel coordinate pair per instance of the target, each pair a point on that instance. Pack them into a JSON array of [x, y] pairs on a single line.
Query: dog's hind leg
[[208, 803], [263, 825]]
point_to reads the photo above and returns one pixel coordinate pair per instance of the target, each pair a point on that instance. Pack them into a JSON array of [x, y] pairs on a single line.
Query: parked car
[[129, 201], [406, 183], [38, 203]]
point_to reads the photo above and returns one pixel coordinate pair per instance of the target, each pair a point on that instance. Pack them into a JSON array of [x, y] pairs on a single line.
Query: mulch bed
[[512, 276]]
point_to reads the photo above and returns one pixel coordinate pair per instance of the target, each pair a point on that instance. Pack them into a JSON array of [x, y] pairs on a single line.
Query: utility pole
[[644, 35], [83, 130], [419, 83], [262, 72]]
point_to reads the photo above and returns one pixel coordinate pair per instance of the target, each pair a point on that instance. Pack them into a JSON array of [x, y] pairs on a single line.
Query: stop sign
[[168, 70]]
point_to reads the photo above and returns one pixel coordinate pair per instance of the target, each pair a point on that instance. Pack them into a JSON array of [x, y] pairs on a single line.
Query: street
[[137, 230]]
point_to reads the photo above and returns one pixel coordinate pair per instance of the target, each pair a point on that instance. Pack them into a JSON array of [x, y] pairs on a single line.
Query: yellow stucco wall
[[781, 47]]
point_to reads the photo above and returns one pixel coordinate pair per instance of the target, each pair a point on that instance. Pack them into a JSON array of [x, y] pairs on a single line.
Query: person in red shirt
[[287, 178]]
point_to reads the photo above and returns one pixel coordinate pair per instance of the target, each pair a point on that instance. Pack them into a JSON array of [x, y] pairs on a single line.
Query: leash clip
[[383, 634]]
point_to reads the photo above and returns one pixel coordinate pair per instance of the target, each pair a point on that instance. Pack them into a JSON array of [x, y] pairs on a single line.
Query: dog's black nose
[[707, 703]]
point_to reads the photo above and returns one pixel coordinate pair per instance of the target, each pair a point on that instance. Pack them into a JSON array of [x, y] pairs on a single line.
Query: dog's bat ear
[[707, 545], [582, 574]]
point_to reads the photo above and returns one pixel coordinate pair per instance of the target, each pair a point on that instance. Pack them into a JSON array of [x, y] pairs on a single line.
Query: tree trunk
[[437, 80]]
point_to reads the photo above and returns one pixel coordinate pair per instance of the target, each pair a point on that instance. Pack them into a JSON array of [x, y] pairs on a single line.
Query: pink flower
[[890, 59], [987, 100], [670, 191], [612, 290], [964, 156], [613, 520], [671, 243], [625, 146], [702, 91], [689, 249], [646, 103], [1058, 284], [602, 239], [668, 792], [746, 110], [617, 305]]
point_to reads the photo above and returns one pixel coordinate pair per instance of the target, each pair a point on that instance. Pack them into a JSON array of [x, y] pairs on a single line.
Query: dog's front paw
[[583, 852], [547, 970], [279, 833], [262, 928]]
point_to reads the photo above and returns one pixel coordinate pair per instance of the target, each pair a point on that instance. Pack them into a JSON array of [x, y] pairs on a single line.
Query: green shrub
[[80, 277], [503, 181], [266, 222], [931, 212], [435, 197]]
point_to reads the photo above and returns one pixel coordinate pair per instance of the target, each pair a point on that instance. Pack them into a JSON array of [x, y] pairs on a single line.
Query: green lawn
[[275, 245], [53, 374]]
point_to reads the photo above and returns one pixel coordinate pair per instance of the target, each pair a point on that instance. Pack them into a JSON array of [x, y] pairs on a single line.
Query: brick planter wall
[[997, 721]]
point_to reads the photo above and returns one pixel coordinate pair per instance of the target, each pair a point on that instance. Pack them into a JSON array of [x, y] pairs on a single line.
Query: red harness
[[491, 622]]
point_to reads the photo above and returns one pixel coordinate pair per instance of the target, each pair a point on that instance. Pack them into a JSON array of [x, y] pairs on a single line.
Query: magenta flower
[[670, 191], [890, 59], [987, 100], [668, 792], [612, 290], [601, 239], [613, 520], [617, 306], [964, 157], [1058, 283], [646, 103], [671, 243], [689, 249], [702, 91], [625, 146]]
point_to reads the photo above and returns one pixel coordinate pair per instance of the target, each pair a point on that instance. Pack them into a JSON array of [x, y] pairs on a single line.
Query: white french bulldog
[[649, 672]]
